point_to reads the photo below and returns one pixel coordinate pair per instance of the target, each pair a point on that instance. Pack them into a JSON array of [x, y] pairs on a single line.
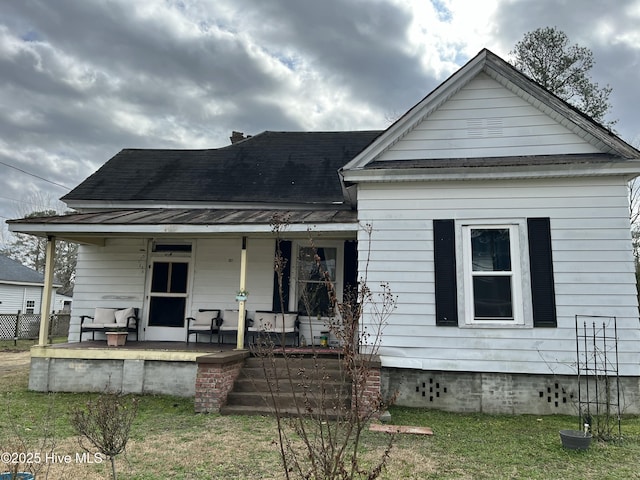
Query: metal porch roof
[[185, 220]]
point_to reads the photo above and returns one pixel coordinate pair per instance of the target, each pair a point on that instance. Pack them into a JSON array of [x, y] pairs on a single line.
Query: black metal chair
[[206, 321]]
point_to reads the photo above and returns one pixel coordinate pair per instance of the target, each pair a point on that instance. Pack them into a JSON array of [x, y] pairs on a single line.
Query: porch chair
[[289, 325], [272, 325], [259, 325], [229, 324], [105, 319], [206, 321]]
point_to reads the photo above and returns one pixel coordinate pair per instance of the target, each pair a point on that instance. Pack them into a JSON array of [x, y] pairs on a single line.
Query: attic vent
[[484, 127]]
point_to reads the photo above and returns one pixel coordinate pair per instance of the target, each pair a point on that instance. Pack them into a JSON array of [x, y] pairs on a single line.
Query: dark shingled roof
[[12, 271], [272, 167]]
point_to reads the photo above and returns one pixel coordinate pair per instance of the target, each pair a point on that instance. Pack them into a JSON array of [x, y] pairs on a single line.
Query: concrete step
[[317, 385], [288, 400], [261, 384], [270, 411], [303, 368], [306, 362]]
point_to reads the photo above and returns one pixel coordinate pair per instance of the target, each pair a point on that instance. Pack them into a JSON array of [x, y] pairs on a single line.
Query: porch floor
[[203, 347], [153, 350]]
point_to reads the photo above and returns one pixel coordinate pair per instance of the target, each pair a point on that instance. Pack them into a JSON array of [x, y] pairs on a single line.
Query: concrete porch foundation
[[140, 368]]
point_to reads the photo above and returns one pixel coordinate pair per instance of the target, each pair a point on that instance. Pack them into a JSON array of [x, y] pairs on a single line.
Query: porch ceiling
[[195, 221]]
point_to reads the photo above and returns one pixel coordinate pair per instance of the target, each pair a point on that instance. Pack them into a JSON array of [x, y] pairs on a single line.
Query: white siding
[[115, 276], [11, 298], [593, 268], [217, 273], [485, 119], [15, 297], [110, 276]]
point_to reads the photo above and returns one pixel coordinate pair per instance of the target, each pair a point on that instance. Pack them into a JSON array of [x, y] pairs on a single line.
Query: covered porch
[[170, 263]]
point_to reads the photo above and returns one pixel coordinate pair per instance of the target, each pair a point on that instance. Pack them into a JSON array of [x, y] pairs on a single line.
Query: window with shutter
[[494, 261]]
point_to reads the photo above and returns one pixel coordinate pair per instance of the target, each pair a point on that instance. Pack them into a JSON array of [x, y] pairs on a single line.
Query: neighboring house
[[498, 213], [21, 287]]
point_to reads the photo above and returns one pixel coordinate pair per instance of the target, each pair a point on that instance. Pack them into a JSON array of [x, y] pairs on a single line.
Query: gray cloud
[[81, 80]]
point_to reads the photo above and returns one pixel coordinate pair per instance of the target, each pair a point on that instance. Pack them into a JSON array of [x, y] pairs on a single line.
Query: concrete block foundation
[[118, 375], [495, 393]]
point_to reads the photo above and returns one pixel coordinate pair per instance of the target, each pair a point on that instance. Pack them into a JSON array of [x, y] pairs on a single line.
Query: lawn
[[169, 441]]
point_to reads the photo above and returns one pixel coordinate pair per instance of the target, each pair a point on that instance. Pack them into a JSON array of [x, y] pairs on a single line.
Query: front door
[[167, 299]]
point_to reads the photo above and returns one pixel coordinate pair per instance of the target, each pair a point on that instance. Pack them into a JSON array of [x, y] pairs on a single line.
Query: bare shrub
[[321, 437], [106, 424]]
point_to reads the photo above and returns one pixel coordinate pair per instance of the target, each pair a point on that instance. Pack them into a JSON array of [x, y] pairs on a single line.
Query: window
[[491, 264], [315, 268], [169, 277], [31, 306], [506, 271]]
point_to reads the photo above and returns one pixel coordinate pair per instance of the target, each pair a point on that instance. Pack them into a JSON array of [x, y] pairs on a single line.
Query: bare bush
[[321, 437], [106, 424]]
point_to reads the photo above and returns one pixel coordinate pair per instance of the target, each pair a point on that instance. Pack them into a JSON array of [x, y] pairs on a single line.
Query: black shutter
[[541, 265], [350, 271], [444, 256], [285, 252]]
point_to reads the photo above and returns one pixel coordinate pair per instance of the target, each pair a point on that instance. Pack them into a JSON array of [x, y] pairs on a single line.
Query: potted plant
[[242, 295], [117, 336], [17, 476]]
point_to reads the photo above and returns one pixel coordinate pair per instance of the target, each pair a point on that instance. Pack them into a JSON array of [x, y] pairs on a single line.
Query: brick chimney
[[237, 137]]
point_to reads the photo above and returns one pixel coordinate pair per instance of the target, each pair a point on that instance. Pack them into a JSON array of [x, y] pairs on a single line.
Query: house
[[498, 214], [21, 287]]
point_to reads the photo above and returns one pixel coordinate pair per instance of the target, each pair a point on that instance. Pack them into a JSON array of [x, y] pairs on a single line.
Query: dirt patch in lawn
[[11, 362]]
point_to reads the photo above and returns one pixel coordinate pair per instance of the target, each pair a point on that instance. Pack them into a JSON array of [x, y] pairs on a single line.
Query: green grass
[[169, 441], [22, 345]]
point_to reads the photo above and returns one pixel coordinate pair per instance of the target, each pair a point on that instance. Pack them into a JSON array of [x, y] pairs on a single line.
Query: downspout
[[45, 305], [241, 307]]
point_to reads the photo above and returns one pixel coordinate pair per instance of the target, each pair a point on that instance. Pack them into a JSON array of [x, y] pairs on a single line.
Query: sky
[[81, 80]]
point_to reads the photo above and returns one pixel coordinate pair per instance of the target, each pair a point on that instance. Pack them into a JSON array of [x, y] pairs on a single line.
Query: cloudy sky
[[82, 79]]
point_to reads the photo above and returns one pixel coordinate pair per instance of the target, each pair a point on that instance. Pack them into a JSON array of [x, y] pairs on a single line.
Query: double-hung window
[[492, 274], [316, 273]]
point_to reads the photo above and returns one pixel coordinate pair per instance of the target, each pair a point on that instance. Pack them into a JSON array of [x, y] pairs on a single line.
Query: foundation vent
[[431, 389], [556, 395]]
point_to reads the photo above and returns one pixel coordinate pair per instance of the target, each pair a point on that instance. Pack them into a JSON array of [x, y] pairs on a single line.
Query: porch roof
[[159, 221]]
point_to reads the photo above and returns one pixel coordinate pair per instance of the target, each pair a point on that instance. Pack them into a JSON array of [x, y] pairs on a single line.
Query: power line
[[34, 175], [36, 205]]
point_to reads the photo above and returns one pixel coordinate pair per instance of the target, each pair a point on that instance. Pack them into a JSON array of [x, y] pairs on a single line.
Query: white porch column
[[45, 305], [241, 307]]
